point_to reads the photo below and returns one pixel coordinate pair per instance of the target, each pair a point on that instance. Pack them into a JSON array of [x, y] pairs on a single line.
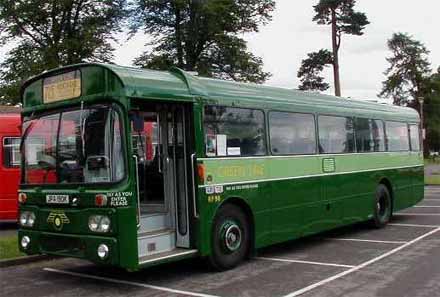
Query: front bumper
[[70, 245]]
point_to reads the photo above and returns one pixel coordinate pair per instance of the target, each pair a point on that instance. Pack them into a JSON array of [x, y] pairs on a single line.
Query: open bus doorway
[[160, 145]]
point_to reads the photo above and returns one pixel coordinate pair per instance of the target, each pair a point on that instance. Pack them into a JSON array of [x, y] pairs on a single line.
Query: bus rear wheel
[[230, 238], [382, 207]]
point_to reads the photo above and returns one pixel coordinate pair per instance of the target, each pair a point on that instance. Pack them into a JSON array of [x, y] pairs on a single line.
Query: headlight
[[25, 240], [27, 218], [99, 223], [103, 251]]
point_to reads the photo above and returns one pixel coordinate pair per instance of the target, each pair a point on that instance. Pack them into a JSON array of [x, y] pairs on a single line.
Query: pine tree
[[343, 19]]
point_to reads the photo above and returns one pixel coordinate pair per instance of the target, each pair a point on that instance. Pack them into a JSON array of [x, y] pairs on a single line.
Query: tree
[[408, 72], [409, 77], [343, 19], [432, 112], [50, 34], [311, 68], [202, 36]]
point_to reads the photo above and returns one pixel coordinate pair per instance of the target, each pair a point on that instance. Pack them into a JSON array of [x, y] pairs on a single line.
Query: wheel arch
[[245, 207]]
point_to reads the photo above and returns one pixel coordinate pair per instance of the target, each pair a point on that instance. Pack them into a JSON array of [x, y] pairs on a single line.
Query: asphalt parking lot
[[401, 260]]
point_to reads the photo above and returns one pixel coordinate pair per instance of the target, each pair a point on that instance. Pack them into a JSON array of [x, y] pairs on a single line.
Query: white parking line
[[368, 240], [303, 262], [415, 214], [358, 267], [413, 225], [123, 282], [427, 206]]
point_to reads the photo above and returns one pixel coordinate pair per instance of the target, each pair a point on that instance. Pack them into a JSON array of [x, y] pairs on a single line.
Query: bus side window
[[397, 136], [11, 152], [292, 133], [336, 134], [370, 136], [414, 132], [231, 131]]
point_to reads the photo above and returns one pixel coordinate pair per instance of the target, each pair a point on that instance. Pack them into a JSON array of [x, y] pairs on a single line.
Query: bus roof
[[98, 80]]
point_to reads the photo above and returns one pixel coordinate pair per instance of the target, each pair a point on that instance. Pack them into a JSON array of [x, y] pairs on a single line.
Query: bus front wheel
[[230, 238], [382, 207]]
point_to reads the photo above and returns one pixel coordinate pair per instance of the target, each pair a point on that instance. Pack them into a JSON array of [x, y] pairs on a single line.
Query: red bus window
[[11, 152]]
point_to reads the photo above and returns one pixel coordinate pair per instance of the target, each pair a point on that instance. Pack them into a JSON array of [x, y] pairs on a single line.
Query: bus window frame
[[265, 125], [4, 151], [125, 149], [385, 144], [419, 149], [387, 139], [354, 134], [292, 112]]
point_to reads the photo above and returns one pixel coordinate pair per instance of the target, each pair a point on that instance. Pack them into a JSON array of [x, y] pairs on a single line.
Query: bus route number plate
[[57, 199]]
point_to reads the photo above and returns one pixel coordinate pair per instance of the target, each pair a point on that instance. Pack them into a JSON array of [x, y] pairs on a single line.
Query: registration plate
[[57, 199]]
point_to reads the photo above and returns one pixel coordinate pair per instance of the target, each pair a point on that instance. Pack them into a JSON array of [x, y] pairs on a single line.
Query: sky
[[291, 34]]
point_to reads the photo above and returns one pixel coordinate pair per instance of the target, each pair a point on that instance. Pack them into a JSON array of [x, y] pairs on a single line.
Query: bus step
[[175, 254], [150, 243], [153, 222]]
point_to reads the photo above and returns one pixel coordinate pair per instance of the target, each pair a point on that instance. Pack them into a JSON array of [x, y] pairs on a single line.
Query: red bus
[[10, 134]]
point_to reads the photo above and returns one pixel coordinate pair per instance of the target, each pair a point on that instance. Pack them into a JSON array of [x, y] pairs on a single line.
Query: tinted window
[[335, 134], [378, 130], [234, 131], [292, 133], [369, 135], [397, 136], [11, 152], [414, 133]]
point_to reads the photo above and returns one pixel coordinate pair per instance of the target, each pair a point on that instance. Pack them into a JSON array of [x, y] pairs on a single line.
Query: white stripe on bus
[[304, 176]]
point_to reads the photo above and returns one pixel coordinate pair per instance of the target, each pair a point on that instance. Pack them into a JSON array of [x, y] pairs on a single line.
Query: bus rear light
[[22, 197], [100, 200], [201, 172]]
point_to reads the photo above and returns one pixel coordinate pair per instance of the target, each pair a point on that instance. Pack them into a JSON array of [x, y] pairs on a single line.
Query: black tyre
[[230, 238], [382, 207]]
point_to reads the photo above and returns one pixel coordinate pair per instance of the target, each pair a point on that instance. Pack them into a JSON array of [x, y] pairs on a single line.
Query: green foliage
[[347, 20], [342, 17], [409, 70], [202, 35], [312, 67], [432, 112], [50, 34]]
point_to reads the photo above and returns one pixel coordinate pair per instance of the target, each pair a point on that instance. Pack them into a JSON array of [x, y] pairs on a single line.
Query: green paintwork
[[287, 197]]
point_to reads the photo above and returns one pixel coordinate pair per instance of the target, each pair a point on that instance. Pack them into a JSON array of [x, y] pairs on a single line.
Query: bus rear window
[[231, 131]]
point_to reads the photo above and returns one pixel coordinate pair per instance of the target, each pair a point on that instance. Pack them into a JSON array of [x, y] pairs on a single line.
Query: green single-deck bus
[[132, 168]]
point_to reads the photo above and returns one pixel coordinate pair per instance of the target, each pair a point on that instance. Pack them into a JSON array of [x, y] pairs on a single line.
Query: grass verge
[[9, 247], [432, 180]]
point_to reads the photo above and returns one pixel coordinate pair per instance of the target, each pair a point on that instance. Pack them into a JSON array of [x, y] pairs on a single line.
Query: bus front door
[[162, 154]]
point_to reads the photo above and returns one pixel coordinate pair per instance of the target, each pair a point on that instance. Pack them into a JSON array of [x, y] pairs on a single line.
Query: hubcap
[[231, 236], [382, 207]]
